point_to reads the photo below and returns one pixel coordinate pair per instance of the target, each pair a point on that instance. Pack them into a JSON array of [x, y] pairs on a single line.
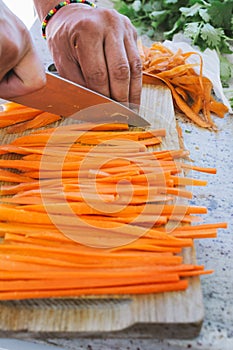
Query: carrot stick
[[198, 168], [38, 121], [9, 176], [138, 289], [10, 106], [185, 181], [16, 116]]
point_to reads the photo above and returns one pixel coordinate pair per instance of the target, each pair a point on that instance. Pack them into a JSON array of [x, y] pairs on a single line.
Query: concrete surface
[[207, 149]]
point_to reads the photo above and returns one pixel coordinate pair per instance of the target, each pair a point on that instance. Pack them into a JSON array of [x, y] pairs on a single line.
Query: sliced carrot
[[138, 289], [16, 116], [38, 121], [9, 176], [191, 91]]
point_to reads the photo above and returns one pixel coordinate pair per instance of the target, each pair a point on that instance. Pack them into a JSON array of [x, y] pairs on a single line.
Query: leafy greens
[[207, 23]]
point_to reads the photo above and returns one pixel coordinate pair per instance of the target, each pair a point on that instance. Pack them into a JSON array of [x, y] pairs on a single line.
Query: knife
[[65, 98]]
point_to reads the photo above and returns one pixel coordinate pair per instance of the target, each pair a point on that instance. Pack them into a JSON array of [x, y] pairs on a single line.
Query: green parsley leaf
[[221, 13], [226, 69], [211, 35], [190, 11], [192, 30], [204, 15]]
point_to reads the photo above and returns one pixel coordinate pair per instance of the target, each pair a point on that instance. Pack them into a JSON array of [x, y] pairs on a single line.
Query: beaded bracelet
[[52, 12]]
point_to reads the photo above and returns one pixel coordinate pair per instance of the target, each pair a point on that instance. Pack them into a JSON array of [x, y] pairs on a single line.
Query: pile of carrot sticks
[[18, 118], [88, 210], [191, 91]]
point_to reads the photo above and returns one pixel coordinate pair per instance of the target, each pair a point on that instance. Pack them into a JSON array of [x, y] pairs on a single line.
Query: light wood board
[[173, 314]]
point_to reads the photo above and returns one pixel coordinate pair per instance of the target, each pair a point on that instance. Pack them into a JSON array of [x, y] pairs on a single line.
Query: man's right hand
[[21, 71]]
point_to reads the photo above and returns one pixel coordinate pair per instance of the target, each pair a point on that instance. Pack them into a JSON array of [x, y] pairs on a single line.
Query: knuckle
[[86, 24], [128, 24], [111, 14], [136, 67], [112, 18], [120, 96], [135, 33], [121, 71], [97, 78]]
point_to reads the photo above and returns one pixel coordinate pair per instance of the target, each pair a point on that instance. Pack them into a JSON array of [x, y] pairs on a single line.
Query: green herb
[[208, 23], [231, 102]]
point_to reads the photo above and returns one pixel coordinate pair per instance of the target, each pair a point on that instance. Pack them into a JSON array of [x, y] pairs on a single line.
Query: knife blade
[[65, 98]]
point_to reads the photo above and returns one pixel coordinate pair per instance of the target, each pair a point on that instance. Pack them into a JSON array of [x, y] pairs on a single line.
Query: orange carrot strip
[[10, 106], [9, 176], [16, 116], [38, 121], [138, 289]]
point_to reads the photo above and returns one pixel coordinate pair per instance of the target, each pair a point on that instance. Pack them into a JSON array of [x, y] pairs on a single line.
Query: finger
[[70, 70], [135, 85], [27, 76], [65, 59], [90, 54], [118, 67]]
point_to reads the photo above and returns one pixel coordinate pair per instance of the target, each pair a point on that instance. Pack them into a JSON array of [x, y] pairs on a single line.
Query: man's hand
[[21, 71], [96, 48]]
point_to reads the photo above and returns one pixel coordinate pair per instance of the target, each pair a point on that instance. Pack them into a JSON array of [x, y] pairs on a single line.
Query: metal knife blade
[[65, 98]]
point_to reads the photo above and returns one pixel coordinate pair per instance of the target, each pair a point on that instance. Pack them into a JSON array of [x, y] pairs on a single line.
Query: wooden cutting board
[[172, 314]]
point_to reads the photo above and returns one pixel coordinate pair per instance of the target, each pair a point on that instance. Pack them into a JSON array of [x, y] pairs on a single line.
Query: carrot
[[191, 91], [86, 127], [185, 181], [16, 116], [203, 226], [198, 168], [185, 108], [85, 273], [10, 106], [9, 176], [58, 239], [134, 289], [218, 108], [81, 257], [38, 121]]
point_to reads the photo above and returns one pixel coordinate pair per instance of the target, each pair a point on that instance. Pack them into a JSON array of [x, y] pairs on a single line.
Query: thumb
[[27, 76]]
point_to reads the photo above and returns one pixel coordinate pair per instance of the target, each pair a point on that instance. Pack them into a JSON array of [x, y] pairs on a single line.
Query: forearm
[[44, 6]]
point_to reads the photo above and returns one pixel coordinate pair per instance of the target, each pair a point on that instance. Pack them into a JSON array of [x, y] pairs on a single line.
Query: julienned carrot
[[191, 91], [10, 106], [198, 168], [196, 234], [9, 176], [134, 289], [138, 255], [80, 282], [202, 227], [81, 257], [185, 181], [185, 107], [86, 138], [85, 127], [218, 108], [38, 121], [85, 273], [14, 116], [13, 189], [144, 243], [83, 208], [103, 277]]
